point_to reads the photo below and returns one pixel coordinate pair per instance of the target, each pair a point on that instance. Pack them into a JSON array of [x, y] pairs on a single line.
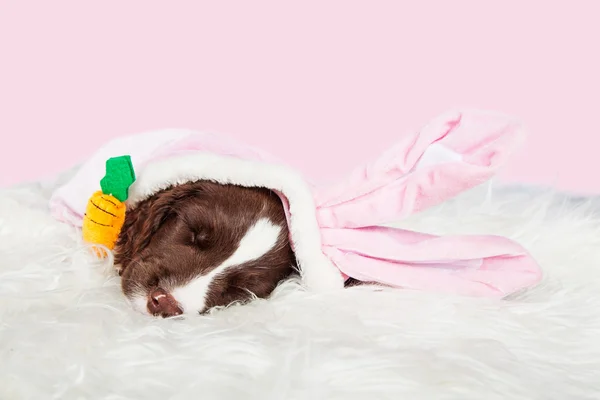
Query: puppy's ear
[[140, 225]]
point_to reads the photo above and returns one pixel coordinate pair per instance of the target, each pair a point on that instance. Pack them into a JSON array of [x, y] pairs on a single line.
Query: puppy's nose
[[162, 303]]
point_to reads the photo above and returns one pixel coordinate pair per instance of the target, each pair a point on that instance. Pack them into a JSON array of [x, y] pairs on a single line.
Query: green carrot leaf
[[119, 177]]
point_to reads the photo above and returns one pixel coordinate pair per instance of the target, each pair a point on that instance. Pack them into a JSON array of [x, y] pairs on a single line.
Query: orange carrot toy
[[105, 211]]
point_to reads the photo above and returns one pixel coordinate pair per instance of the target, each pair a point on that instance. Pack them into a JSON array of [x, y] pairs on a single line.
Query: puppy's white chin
[[139, 304]]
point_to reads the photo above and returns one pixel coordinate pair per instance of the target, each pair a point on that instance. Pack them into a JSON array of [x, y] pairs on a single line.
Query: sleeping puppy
[[199, 245]]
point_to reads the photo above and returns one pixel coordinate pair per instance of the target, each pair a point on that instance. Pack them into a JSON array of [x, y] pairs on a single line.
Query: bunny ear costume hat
[[336, 231]]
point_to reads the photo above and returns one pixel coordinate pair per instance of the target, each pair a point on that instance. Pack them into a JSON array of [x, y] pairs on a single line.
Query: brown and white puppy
[[199, 245]]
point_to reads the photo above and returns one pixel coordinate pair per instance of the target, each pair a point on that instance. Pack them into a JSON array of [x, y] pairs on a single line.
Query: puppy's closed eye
[[201, 238]]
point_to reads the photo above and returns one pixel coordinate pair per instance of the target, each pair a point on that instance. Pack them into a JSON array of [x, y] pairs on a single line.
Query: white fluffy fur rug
[[67, 333]]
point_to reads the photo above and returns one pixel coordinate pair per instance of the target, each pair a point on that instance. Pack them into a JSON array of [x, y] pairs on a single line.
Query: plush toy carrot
[[105, 211]]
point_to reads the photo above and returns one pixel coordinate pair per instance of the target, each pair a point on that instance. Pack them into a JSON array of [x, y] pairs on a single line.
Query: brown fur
[[188, 230]]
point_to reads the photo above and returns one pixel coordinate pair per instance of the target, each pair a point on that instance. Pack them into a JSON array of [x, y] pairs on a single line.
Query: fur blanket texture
[[66, 331]]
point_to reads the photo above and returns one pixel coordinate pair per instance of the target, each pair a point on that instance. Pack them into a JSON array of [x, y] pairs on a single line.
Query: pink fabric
[[392, 188], [453, 153], [470, 265]]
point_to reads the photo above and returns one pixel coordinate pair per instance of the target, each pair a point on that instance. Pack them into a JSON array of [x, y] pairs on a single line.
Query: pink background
[[298, 79]]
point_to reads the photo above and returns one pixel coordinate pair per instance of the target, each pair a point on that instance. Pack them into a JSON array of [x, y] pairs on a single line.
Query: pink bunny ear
[[485, 266], [455, 152]]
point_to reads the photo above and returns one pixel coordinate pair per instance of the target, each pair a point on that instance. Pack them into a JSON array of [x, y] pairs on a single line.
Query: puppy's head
[[200, 245]]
